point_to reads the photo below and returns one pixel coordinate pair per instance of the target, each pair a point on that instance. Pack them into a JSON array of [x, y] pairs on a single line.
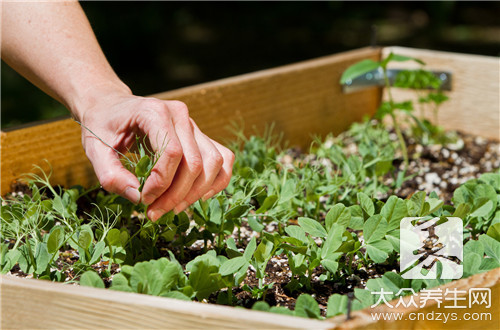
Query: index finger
[[165, 142]]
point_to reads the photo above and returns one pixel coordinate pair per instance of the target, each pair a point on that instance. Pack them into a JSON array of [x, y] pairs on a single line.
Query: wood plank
[[474, 104], [490, 280], [29, 304], [57, 143], [302, 99]]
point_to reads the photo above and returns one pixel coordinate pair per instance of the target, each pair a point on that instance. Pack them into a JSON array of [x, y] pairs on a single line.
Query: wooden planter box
[[303, 100]]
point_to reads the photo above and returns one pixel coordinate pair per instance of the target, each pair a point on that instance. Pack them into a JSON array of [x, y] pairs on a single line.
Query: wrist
[[94, 95]]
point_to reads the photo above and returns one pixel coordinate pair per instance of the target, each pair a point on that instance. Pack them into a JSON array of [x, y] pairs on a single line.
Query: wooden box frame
[[303, 100]]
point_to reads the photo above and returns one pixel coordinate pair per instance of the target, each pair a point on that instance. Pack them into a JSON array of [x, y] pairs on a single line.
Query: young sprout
[[141, 164]]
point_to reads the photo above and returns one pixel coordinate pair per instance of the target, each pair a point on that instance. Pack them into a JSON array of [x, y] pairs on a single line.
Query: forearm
[[53, 45]]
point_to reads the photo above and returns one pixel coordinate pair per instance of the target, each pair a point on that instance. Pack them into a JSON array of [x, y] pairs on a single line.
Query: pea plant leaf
[[143, 167], [307, 306], [366, 203], [379, 250], [312, 227], [394, 210], [494, 231], [374, 228], [358, 69], [337, 304], [233, 265], [332, 242], [90, 278], [56, 239], [338, 214]]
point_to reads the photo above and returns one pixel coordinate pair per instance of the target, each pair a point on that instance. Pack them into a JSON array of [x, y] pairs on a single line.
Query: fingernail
[[147, 199], [133, 195], [209, 194], [181, 207], [155, 214]]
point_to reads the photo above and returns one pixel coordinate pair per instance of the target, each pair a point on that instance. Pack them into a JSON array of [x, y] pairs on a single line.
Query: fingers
[[214, 176], [157, 123], [224, 175], [110, 171], [212, 163], [188, 171]]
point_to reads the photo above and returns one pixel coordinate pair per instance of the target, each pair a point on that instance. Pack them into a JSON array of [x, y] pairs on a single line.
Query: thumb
[[110, 172]]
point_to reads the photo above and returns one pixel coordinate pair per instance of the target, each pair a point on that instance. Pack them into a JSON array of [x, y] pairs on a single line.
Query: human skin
[[53, 46]]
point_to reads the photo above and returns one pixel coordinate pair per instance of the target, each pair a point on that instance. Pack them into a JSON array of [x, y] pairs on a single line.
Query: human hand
[[192, 166]]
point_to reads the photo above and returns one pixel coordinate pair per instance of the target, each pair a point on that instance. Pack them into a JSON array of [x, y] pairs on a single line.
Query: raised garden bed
[[269, 96]]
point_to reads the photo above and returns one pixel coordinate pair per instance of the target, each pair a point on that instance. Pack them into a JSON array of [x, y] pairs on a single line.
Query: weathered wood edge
[[362, 319], [302, 99], [28, 303]]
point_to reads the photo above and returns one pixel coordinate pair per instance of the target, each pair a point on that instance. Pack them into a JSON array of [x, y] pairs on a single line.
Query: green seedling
[[416, 79]]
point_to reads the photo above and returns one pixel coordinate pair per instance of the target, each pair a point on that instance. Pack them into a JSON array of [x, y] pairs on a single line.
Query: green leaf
[[330, 265], [472, 262], [337, 305], [494, 231], [250, 249], [176, 295], [145, 278], [254, 223], [462, 210], [399, 58], [42, 257], [97, 252], [358, 69], [473, 246], [55, 240], [364, 298], [491, 247], [263, 251], [90, 278], [393, 238], [313, 227], [434, 205], [338, 214], [366, 203], [288, 191], [379, 251], [171, 271], [393, 211], [375, 228], [86, 237], [204, 279], [113, 237], [332, 242], [357, 219], [296, 232], [280, 310], [493, 179], [233, 265], [9, 260], [261, 306], [307, 306], [416, 204], [215, 211], [267, 204], [143, 167]]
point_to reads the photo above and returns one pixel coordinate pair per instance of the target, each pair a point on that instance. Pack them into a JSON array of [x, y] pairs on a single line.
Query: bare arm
[[53, 45]]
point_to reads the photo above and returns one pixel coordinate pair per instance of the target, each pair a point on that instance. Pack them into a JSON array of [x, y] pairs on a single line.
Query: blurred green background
[[159, 46]]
